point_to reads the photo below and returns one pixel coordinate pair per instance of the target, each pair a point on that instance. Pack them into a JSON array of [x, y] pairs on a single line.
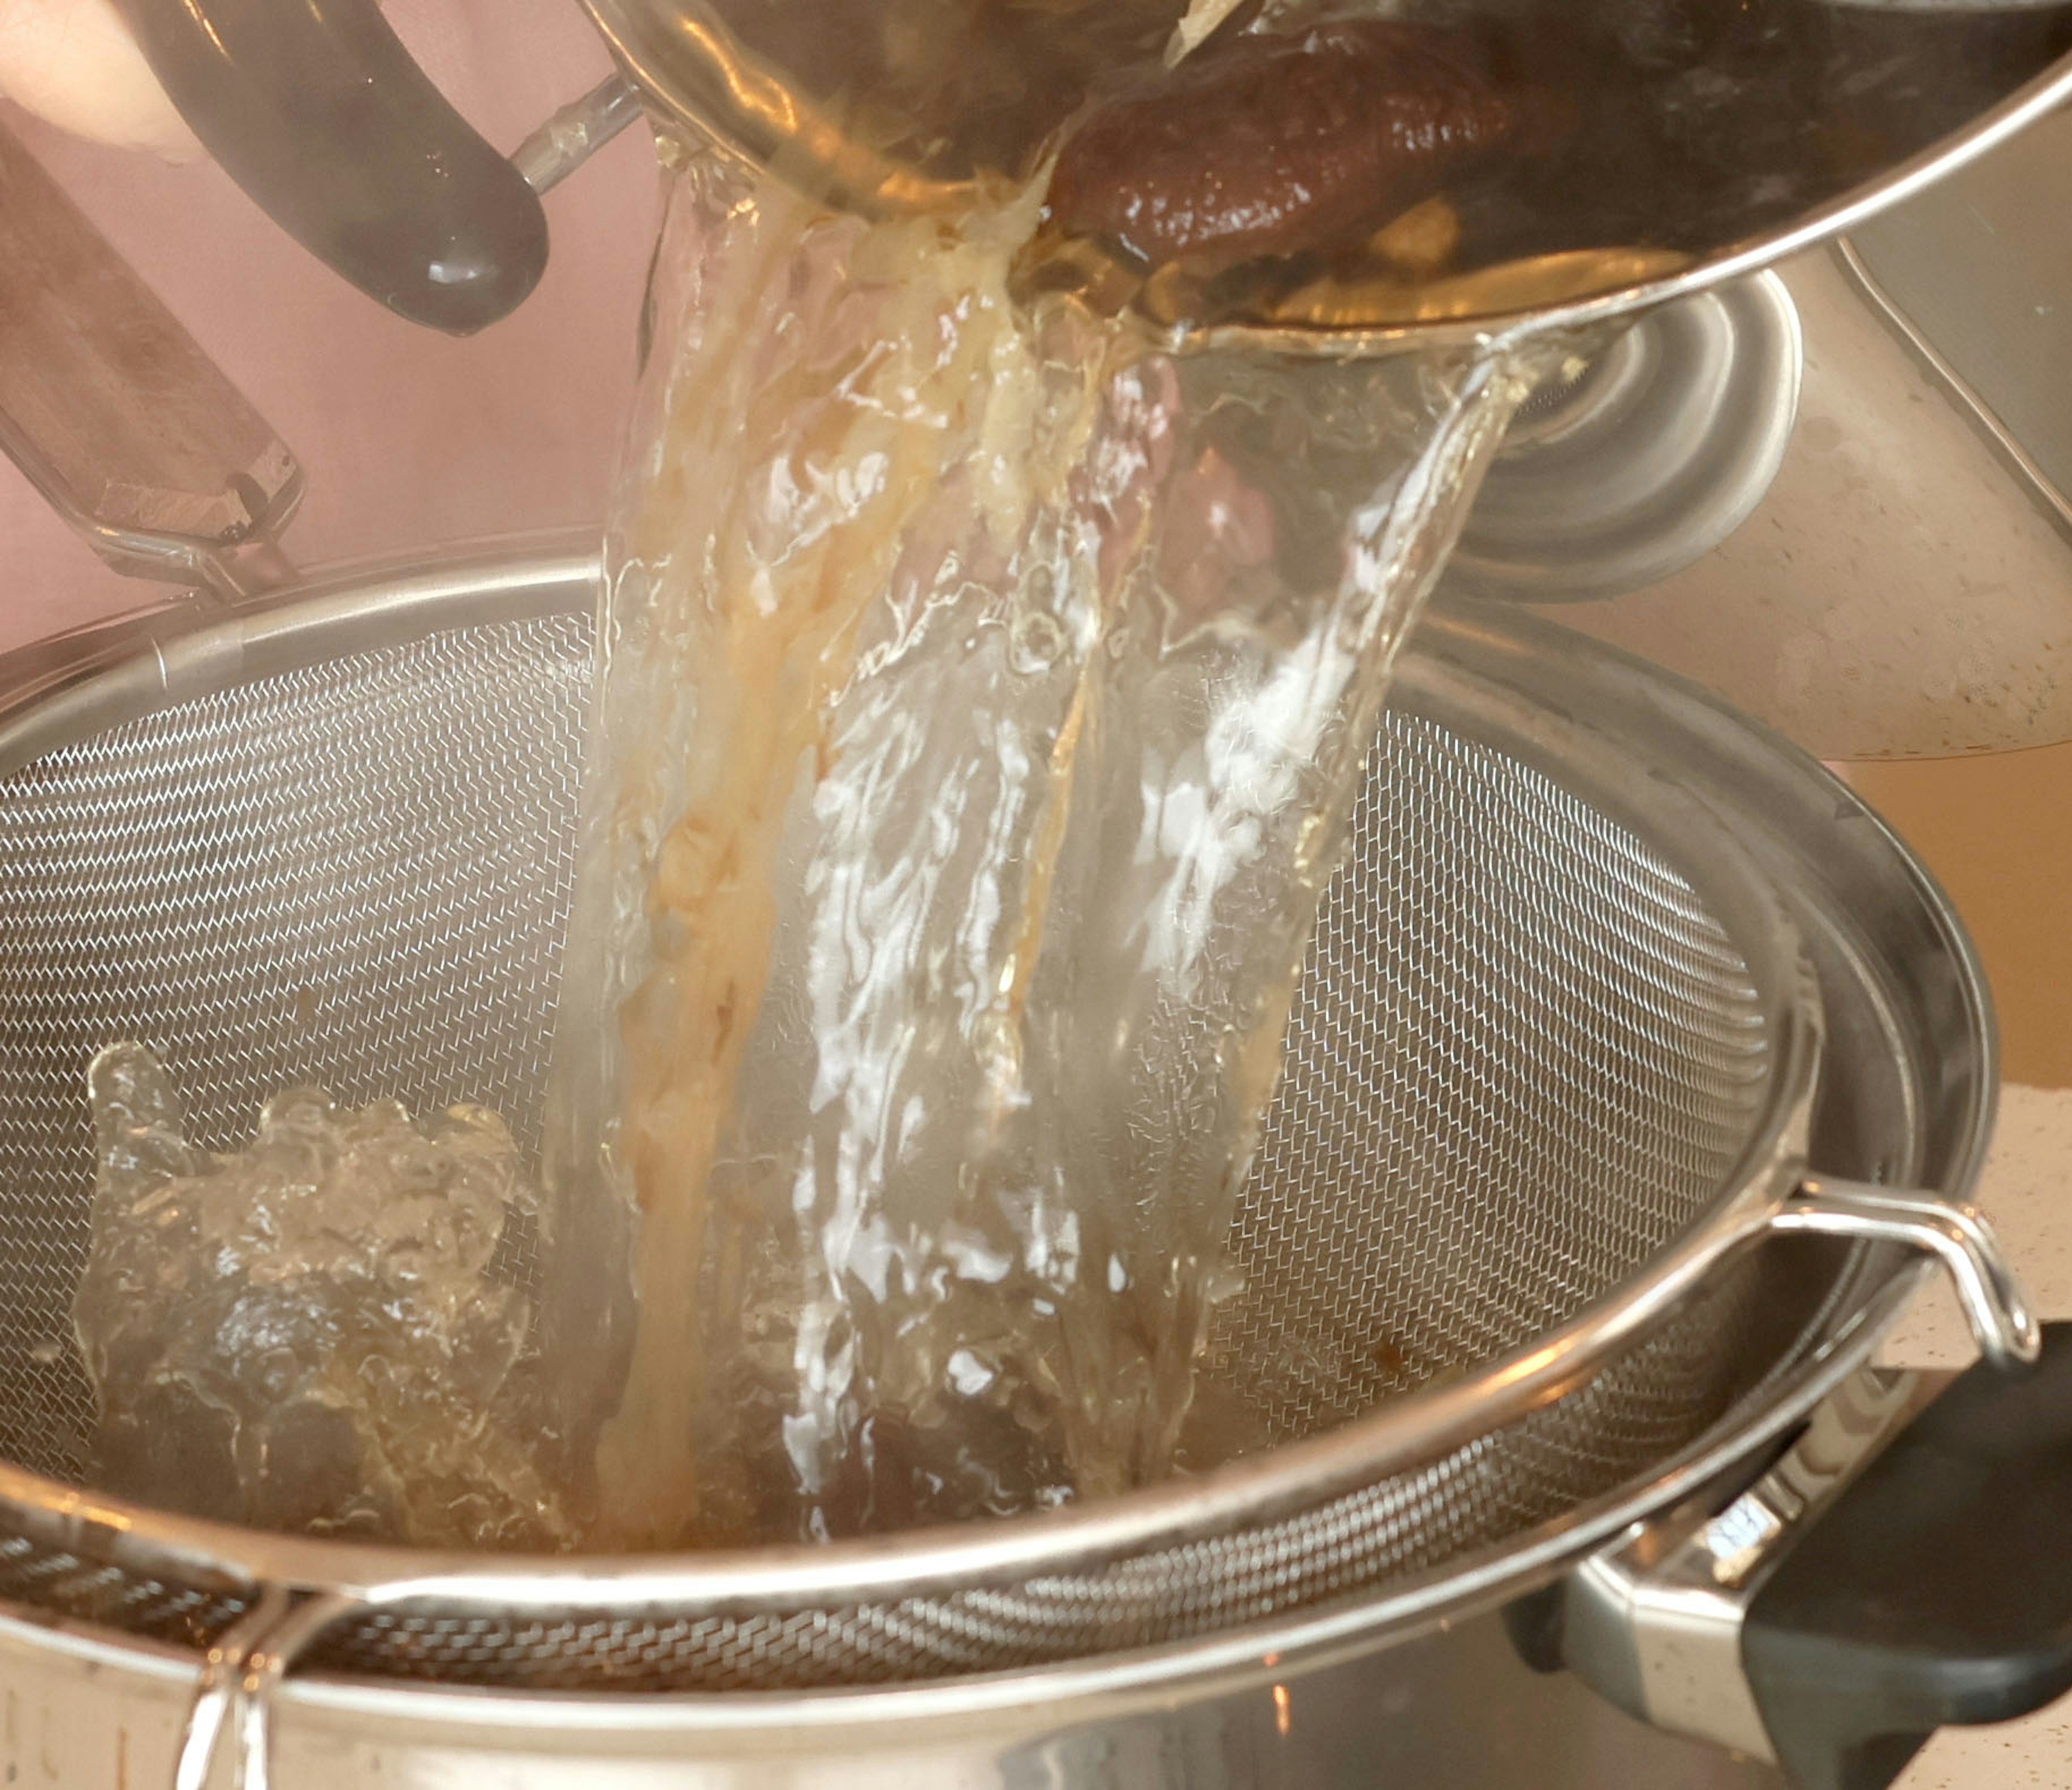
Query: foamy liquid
[[324, 1331]]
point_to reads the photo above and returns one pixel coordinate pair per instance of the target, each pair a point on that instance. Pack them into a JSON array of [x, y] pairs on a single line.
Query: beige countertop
[[2027, 1191]]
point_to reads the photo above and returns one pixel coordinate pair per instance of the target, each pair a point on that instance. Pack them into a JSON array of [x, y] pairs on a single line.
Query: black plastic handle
[[1936, 1592], [316, 110]]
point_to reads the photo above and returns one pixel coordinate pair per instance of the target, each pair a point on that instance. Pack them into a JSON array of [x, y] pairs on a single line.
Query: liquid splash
[[984, 697], [313, 1334]]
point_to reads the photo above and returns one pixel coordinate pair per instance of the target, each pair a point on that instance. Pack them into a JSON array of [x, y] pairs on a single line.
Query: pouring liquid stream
[[983, 695], [942, 922], [983, 692], [985, 685]]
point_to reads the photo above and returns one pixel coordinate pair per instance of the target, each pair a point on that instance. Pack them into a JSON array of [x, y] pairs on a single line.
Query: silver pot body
[[1451, 1709]]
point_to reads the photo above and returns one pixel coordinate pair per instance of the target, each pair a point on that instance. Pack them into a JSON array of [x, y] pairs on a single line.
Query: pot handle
[[319, 113], [1935, 1592], [133, 435]]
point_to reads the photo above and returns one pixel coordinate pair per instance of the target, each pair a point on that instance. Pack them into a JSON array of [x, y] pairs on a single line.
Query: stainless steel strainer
[[1549, 1095]]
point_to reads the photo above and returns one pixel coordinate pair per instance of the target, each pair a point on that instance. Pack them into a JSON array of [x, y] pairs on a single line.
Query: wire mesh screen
[[356, 875], [1525, 1058], [1654, 1401]]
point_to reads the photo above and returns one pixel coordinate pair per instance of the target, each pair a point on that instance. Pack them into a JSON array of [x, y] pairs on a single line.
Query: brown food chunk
[[1271, 145]]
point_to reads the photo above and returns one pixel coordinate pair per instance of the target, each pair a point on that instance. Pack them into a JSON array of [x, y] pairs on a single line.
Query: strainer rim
[[1209, 1663], [304, 625]]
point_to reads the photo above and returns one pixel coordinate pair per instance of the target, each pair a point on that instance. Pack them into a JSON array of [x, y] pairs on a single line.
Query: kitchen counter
[[2027, 1191]]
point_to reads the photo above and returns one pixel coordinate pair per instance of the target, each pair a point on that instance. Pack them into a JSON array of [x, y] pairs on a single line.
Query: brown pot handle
[[116, 415]]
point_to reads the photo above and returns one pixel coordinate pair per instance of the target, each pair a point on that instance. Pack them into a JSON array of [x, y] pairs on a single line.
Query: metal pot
[[317, 111]]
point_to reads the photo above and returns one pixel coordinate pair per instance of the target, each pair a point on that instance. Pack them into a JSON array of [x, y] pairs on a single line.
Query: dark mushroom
[[1265, 146]]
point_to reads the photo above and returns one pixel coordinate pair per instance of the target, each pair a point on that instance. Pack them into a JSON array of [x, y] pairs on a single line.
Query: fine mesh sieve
[[1547, 1086]]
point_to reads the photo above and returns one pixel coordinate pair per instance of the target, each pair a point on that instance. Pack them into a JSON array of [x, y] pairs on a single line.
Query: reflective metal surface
[[577, 131], [1655, 1622], [1904, 587], [1638, 459], [1442, 1710], [699, 76], [1905, 1094]]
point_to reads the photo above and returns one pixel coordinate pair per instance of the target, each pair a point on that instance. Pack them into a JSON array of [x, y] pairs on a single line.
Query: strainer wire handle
[[215, 1695], [234, 1700], [2001, 1320]]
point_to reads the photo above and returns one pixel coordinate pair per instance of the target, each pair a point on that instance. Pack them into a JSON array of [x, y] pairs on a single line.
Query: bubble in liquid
[[323, 1332]]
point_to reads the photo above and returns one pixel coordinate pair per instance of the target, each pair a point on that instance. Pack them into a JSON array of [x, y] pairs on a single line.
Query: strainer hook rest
[[2001, 1320]]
